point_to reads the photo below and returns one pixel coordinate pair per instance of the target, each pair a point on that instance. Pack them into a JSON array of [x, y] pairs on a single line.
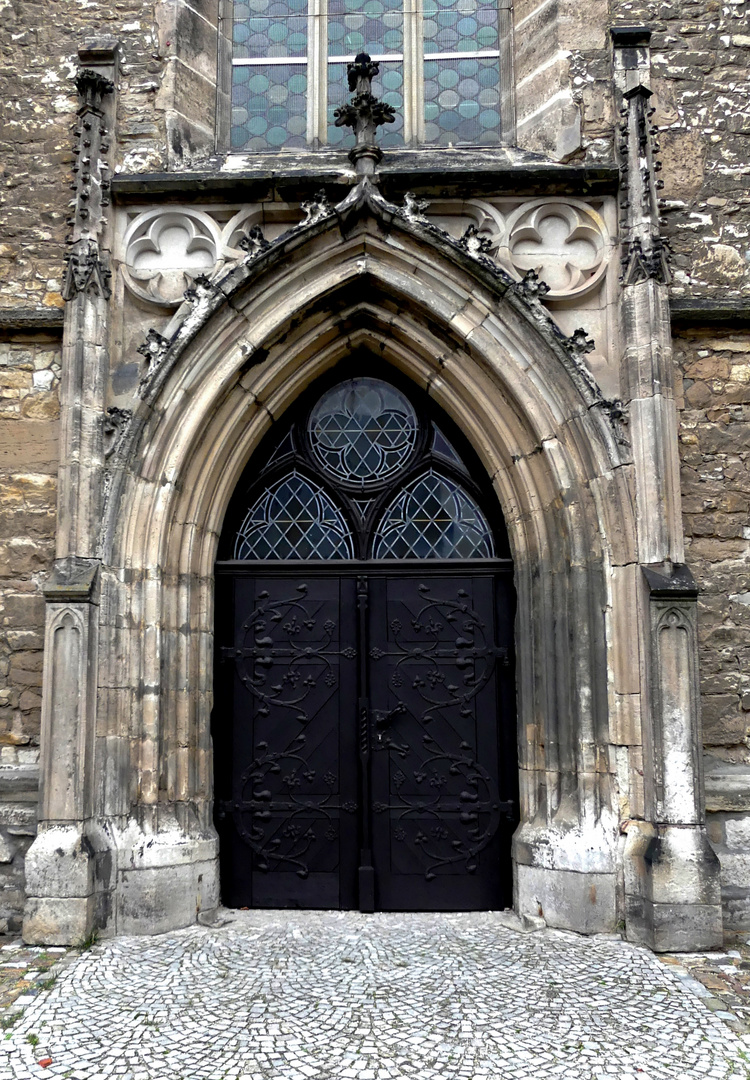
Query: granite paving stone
[[345, 996]]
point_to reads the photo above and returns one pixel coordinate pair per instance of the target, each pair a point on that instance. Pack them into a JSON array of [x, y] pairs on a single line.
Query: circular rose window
[[362, 431]]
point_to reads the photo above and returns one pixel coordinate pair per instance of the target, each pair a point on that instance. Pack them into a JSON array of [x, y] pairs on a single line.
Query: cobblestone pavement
[[323, 996]]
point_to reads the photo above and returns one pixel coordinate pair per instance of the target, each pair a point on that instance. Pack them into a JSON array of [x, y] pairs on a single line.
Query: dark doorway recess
[[364, 720]]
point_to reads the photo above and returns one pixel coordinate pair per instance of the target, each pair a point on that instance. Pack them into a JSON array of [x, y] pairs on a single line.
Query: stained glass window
[[269, 84], [439, 68], [433, 518], [363, 430], [461, 71], [294, 519]]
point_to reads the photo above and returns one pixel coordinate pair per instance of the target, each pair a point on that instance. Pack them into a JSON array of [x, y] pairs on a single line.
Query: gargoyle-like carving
[[639, 265], [532, 286], [414, 208], [85, 271], [617, 414], [253, 243], [154, 348], [92, 86], [579, 342], [315, 209], [475, 243], [114, 425]]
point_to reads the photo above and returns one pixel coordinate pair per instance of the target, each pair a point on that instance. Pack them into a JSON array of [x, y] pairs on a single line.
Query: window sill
[[449, 171]]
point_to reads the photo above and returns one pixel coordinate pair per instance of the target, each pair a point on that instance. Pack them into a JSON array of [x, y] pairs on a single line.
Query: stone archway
[[239, 354]]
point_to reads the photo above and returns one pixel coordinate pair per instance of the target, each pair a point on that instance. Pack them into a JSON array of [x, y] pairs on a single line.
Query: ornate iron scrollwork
[[257, 805], [281, 805], [447, 785]]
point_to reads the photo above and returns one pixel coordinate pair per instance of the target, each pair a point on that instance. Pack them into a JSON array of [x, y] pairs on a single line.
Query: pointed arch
[[492, 359]]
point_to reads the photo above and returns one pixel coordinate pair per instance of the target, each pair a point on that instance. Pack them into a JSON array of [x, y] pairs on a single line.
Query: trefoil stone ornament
[[364, 114]]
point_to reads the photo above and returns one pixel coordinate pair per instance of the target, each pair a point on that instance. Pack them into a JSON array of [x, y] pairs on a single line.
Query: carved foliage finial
[[414, 208], [475, 243], [253, 243], [532, 286], [201, 286], [365, 113], [579, 342], [316, 209], [361, 73], [154, 348]]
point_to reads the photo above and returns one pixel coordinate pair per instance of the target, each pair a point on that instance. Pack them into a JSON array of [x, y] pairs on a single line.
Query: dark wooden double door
[[364, 736]]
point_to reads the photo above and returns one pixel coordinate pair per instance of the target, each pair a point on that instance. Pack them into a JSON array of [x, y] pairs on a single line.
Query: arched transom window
[[362, 472], [439, 67]]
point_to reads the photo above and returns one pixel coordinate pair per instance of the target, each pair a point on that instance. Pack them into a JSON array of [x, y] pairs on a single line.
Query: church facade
[[376, 467]]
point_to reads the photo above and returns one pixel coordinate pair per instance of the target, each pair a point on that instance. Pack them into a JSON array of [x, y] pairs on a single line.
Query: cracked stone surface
[[300, 995]]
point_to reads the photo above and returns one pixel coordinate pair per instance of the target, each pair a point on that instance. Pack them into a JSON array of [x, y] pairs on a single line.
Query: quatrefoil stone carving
[[564, 241]]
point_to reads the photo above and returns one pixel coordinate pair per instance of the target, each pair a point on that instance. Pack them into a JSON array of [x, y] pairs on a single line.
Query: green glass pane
[[270, 107], [277, 136], [489, 118], [462, 101], [448, 78], [468, 110]]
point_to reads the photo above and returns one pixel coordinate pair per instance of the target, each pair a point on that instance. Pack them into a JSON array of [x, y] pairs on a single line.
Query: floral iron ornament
[[364, 114]]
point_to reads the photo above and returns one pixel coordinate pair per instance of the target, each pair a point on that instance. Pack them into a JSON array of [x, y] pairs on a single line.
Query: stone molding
[[162, 350]]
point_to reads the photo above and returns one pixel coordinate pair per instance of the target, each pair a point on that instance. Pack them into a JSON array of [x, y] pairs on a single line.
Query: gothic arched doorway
[[364, 719]]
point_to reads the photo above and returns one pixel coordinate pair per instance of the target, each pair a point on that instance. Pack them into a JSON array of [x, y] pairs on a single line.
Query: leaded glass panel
[[294, 519], [363, 430], [447, 53], [461, 72], [433, 518], [269, 85]]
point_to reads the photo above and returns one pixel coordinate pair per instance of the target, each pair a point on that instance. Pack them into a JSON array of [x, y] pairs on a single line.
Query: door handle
[[383, 720]]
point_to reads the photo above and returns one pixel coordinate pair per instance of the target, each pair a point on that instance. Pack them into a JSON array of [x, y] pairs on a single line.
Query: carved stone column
[[672, 883], [60, 862]]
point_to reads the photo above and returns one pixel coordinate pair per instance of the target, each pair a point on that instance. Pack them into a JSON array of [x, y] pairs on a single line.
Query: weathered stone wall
[[29, 409], [715, 453], [701, 84], [38, 61]]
